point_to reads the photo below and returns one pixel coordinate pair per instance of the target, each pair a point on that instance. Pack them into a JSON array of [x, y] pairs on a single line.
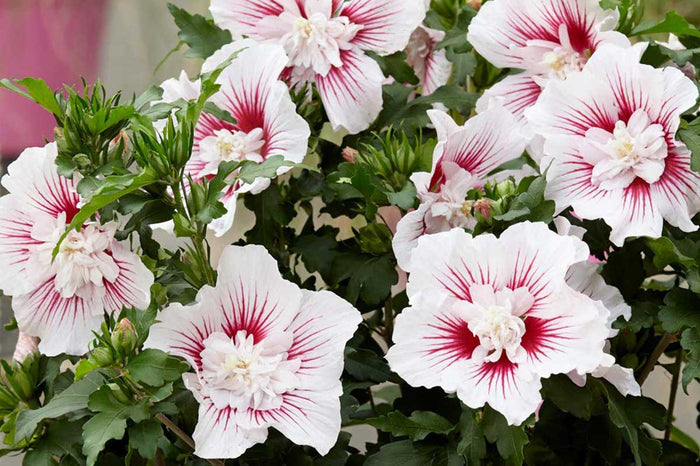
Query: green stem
[[665, 341], [674, 392]]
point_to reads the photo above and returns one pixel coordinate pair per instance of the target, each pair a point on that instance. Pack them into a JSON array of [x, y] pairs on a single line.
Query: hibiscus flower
[[326, 41], [61, 301], [265, 354], [610, 135], [490, 317]]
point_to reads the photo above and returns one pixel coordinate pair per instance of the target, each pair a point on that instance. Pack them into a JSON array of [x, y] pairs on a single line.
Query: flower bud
[[119, 393], [124, 337], [483, 207], [102, 356], [475, 4], [349, 154], [22, 385], [506, 188]]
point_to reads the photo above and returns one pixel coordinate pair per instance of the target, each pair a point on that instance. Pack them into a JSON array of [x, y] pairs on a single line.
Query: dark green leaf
[[72, 399], [418, 426], [472, 444], [680, 310], [199, 33], [673, 23], [510, 440], [690, 341], [366, 365], [403, 453], [154, 367], [144, 437]]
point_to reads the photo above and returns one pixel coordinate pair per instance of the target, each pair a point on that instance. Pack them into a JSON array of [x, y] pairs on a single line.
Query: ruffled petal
[[431, 344], [485, 142], [321, 329], [307, 417], [16, 246], [386, 24], [675, 195], [65, 325], [352, 93], [411, 227], [242, 16], [218, 435], [132, 287], [504, 31], [34, 177], [516, 93], [506, 387]]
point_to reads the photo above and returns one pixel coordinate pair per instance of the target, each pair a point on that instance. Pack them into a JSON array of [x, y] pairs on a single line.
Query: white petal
[[438, 71], [307, 418], [242, 16], [516, 93], [352, 93], [217, 435], [132, 287], [566, 335], [675, 195], [65, 325], [538, 259], [16, 246], [507, 388], [429, 340], [411, 227], [34, 177], [180, 88], [584, 278], [321, 329], [386, 24]]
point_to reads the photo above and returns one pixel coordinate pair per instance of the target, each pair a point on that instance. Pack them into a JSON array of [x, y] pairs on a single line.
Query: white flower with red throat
[[547, 39], [462, 159], [265, 354], [266, 123], [62, 301], [490, 317], [325, 42], [610, 134]]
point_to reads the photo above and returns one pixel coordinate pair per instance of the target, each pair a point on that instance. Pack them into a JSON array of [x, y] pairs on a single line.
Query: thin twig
[[182, 435], [674, 391], [665, 341]]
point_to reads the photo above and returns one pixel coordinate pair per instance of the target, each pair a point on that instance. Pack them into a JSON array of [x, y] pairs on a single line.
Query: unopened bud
[[102, 356], [476, 4], [506, 188], [483, 207], [124, 337], [23, 385], [349, 154]]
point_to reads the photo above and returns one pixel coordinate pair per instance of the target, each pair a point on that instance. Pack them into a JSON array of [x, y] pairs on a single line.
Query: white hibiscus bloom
[[610, 137], [265, 354], [490, 317], [325, 42], [61, 301], [463, 157]]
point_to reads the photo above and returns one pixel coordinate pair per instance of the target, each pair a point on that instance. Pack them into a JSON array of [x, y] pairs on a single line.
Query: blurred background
[[121, 42]]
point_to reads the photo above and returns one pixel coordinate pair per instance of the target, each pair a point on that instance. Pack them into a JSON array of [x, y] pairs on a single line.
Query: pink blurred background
[[57, 40]]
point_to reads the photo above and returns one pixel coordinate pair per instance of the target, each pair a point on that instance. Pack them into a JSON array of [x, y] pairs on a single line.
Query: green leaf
[[395, 65], [403, 453], [364, 364], [267, 169], [680, 310], [690, 135], [568, 396], [112, 189], [144, 437], [673, 23], [84, 367], [510, 440], [219, 113], [71, 399], [154, 367], [109, 422], [199, 33], [370, 277], [666, 253], [628, 414], [418, 426], [404, 199], [61, 440], [472, 444], [690, 341], [36, 90]]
